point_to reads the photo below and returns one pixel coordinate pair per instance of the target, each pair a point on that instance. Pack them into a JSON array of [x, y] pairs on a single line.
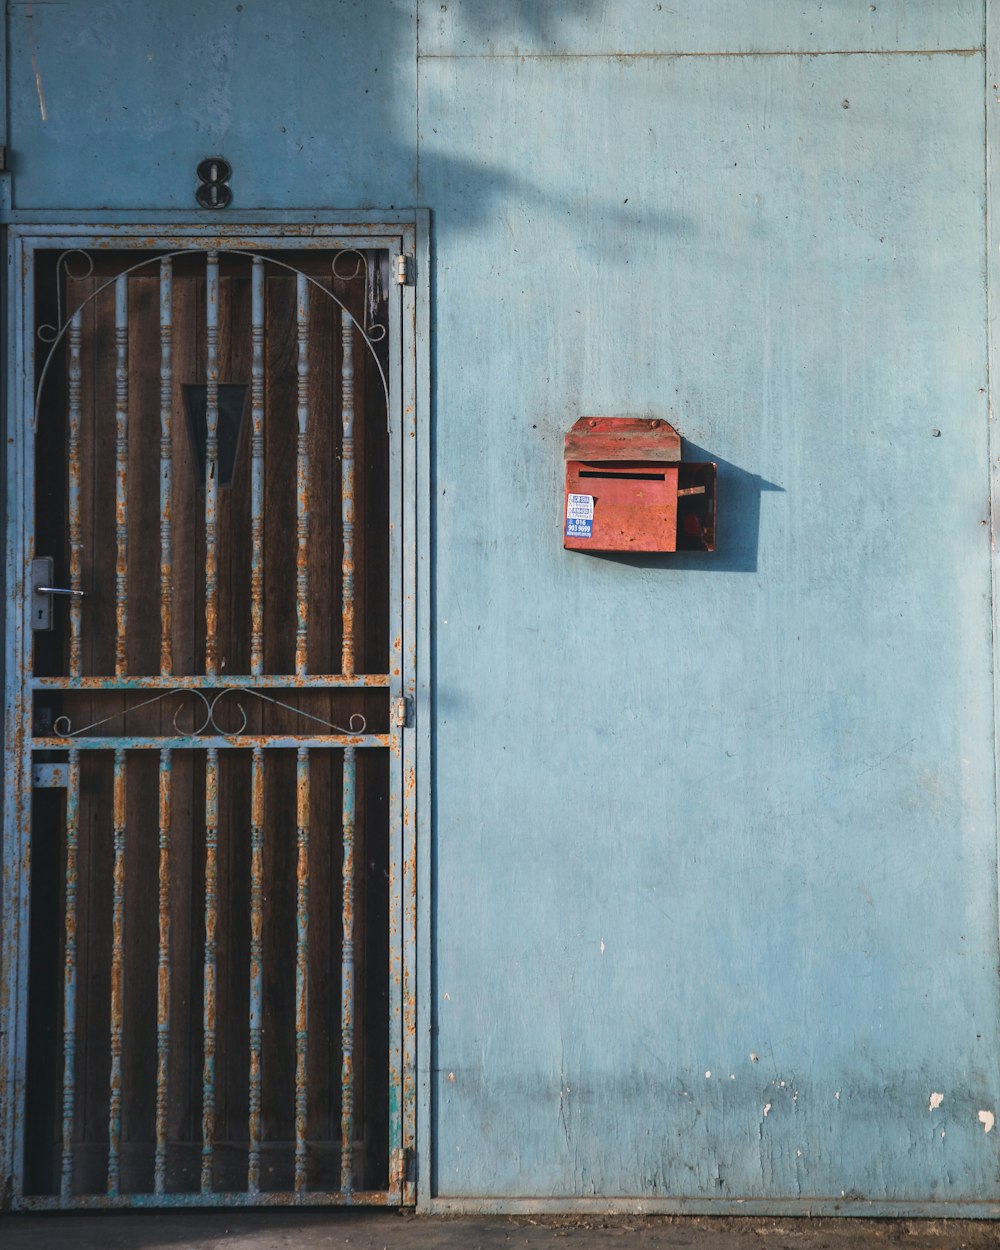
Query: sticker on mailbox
[[579, 516]]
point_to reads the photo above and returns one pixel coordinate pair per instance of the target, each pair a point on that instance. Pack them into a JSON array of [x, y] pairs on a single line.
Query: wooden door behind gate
[[214, 871]]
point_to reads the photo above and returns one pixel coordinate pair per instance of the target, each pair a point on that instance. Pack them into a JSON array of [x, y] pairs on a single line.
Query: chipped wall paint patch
[[935, 1102], [767, 1109], [987, 1119]]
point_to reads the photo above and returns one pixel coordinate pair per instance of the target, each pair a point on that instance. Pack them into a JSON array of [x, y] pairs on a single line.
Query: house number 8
[[213, 183]]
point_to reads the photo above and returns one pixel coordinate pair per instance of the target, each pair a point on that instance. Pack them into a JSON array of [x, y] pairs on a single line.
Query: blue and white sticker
[[579, 516]]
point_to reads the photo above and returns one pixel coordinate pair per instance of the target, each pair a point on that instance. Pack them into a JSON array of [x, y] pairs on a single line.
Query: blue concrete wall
[[714, 894], [114, 102]]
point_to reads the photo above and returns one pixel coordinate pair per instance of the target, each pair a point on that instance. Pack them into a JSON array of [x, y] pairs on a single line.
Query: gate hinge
[[404, 270], [405, 1166], [402, 713], [49, 776]]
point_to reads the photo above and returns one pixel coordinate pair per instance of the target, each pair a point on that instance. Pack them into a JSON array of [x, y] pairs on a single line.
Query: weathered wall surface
[[703, 810], [113, 103], [714, 894]]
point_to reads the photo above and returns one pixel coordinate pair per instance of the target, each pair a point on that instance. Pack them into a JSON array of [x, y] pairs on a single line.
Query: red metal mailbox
[[627, 489]]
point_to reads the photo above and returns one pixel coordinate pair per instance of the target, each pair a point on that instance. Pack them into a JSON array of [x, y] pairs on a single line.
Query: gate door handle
[[41, 593]]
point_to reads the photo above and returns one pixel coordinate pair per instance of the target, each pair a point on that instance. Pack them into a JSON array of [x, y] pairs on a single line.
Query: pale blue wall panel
[[114, 102], [698, 808], [584, 27]]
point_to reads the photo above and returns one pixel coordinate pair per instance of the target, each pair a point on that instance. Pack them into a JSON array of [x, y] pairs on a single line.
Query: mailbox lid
[[622, 438], [634, 505]]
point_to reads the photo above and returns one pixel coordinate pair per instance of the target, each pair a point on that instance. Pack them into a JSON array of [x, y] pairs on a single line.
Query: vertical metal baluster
[[257, 472], [302, 770], [121, 475], [347, 490], [256, 962], [119, 793], [208, 1012], [302, 482], [117, 974], [163, 975], [302, 970], [69, 977], [347, 983], [166, 466], [75, 526], [212, 464]]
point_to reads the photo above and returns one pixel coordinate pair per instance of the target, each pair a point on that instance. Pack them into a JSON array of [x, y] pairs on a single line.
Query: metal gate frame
[[404, 234]]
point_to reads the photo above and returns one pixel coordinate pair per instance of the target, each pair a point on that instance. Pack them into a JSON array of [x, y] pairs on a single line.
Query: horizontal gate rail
[[326, 681], [188, 743], [237, 1198]]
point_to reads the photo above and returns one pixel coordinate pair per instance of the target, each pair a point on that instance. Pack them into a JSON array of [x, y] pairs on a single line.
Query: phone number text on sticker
[[579, 516]]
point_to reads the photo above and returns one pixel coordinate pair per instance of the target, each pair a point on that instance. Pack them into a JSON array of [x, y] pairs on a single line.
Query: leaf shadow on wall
[[737, 526]]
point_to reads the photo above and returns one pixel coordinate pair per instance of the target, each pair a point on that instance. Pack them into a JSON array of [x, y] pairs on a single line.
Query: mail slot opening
[[623, 474]]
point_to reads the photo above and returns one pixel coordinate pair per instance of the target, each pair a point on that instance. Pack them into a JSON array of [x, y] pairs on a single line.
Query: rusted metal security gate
[[208, 885]]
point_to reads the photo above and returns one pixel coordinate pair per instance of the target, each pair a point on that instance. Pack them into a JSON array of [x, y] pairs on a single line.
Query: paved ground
[[371, 1230]]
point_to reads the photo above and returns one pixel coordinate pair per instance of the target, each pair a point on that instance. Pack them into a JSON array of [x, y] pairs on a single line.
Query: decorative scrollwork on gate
[[367, 265], [208, 724], [47, 332]]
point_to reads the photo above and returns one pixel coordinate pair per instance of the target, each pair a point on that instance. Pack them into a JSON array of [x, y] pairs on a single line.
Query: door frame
[[403, 233]]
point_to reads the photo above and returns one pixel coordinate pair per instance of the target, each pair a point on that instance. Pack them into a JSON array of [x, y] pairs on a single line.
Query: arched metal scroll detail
[[371, 331], [49, 333]]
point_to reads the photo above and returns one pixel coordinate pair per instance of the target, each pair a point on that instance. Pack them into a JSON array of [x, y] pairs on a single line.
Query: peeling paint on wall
[[29, 18]]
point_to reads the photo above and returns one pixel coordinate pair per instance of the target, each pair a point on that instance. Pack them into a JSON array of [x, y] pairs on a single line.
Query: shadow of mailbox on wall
[[627, 488]]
